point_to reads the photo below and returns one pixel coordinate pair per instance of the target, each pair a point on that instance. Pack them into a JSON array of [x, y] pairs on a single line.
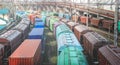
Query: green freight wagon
[[62, 29], [119, 26], [71, 56], [52, 21]]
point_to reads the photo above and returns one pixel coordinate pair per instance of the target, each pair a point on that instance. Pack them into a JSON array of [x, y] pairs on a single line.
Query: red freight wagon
[[109, 55], [92, 41], [32, 18], [79, 30], [83, 19], [95, 22], [64, 20], [71, 25], [28, 53], [108, 24], [75, 18]]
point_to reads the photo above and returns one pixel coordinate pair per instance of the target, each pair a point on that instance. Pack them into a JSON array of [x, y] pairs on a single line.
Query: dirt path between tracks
[[50, 55]]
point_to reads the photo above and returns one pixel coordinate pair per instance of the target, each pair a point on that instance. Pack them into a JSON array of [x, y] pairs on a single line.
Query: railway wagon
[[83, 19], [39, 25], [92, 41], [79, 30], [25, 21], [109, 55], [28, 53], [20, 15], [75, 18], [51, 13], [64, 20], [55, 26], [43, 16], [67, 39], [55, 14], [1, 53], [36, 33], [71, 25], [60, 15], [107, 13], [23, 28], [67, 16], [108, 24], [18, 18], [38, 20], [119, 26], [32, 18], [62, 29], [96, 22], [52, 21], [10, 40], [71, 56]]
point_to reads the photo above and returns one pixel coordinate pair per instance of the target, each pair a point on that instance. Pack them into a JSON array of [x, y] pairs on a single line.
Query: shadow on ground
[[50, 55]]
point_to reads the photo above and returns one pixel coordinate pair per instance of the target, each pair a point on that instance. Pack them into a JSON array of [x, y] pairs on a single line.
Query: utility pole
[[116, 22], [71, 8], [56, 6], [75, 13], [98, 6], [87, 14]]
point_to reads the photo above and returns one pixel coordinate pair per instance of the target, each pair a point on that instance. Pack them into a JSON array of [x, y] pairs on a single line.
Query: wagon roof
[[111, 53], [27, 49], [95, 38]]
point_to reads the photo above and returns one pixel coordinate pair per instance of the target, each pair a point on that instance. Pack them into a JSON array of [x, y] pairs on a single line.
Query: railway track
[[50, 56]]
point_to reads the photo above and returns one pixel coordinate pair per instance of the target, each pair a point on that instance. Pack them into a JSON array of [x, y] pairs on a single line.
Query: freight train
[[74, 42], [68, 47], [11, 39], [107, 24], [32, 48], [92, 42], [67, 44], [102, 23]]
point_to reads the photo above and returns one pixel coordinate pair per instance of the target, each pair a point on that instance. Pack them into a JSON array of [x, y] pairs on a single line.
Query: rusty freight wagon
[[79, 30], [75, 18], [83, 19], [32, 18], [28, 53], [11, 40], [23, 28], [92, 41], [109, 55], [71, 25], [96, 22], [108, 24], [64, 20]]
